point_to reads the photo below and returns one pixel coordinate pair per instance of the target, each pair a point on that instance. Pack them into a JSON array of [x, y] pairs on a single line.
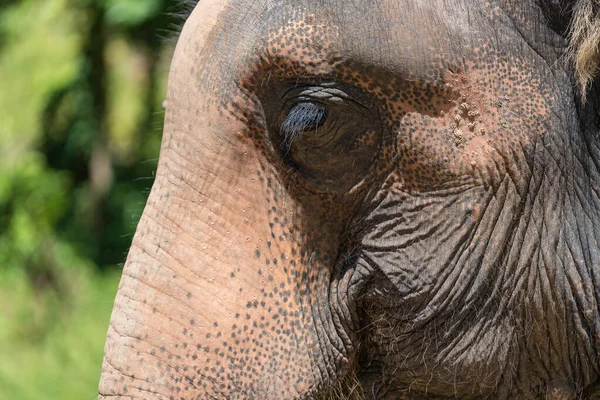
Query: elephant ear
[[584, 46]]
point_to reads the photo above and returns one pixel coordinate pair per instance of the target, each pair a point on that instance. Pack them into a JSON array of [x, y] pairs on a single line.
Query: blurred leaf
[[131, 13], [76, 74], [35, 203], [55, 352], [128, 78], [40, 56]]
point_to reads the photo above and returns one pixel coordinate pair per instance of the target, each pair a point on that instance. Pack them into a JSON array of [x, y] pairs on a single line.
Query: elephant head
[[374, 198]]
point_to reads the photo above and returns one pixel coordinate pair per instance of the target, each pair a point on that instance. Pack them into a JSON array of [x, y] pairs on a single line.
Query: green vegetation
[[82, 84]]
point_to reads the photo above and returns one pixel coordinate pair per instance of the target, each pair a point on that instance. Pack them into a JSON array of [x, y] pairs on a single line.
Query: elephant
[[370, 199]]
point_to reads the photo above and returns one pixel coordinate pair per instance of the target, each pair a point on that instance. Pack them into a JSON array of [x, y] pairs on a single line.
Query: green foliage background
[[81, 87]]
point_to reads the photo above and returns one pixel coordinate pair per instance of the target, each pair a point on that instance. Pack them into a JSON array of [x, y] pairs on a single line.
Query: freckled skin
[[433, 236]]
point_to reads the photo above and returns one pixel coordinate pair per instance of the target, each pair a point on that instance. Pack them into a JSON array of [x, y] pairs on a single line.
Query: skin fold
[[367, 199]]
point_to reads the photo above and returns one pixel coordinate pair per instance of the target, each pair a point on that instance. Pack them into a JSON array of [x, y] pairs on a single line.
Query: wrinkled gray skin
[[388, 199]]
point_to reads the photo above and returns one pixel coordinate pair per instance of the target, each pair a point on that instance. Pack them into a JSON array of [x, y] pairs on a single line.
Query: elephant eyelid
[[302, 117]]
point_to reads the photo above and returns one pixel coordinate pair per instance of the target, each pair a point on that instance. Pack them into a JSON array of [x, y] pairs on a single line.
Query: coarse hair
[[584, 42]]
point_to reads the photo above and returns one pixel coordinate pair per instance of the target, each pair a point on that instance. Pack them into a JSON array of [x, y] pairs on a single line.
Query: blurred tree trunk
[[100, 167]]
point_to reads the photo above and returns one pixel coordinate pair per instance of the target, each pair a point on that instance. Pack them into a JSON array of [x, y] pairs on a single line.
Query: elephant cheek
[[219, 296]]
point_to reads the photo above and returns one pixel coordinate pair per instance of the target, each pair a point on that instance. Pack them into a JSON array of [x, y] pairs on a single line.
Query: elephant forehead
[[406, 37], [398, 37]]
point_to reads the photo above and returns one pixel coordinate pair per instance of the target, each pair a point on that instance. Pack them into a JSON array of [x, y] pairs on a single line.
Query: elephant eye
[[302, 117], [327, 135]]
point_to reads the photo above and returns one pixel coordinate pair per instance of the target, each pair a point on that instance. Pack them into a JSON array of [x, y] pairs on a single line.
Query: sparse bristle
[[584, 47]]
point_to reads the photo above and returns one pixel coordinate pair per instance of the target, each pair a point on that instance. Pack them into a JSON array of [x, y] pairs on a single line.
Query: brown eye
[[328, 135], [331, 147], [303, 117]]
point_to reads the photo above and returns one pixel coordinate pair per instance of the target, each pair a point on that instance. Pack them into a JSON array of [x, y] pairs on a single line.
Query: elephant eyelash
[[302, 117]]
